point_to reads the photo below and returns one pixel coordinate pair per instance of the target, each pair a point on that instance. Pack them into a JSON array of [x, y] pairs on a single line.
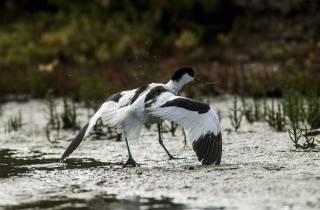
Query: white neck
[[174, 86]]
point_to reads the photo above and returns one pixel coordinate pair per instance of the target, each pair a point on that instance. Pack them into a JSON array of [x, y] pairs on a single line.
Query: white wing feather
[[108, 112], [199, 121], [195, 124]]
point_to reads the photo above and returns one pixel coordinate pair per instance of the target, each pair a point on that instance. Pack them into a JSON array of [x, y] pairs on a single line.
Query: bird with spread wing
[[130, 110]]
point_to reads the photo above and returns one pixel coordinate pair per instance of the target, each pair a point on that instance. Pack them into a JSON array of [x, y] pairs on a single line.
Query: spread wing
[[105, 112], [199, 121], [111, 112]]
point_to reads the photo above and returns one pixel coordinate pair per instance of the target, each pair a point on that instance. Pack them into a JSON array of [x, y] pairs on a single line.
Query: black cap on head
[[180, 72]]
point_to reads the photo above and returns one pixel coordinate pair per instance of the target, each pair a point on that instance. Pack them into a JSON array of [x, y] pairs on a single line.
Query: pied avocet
[[129, 110]]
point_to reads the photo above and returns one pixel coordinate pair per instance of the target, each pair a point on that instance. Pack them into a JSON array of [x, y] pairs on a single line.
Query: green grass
[[69, 115], [14, 123], [248, 111], [312, 111], [275, 116], [235, 114], [300, 138], [294, 106], [1, 109], [103, 46]]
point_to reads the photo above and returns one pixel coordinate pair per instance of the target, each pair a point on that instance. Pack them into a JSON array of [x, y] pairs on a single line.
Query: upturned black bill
[[206, 83]]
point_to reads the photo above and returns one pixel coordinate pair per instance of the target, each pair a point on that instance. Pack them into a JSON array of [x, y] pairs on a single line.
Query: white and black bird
[[130, 110]]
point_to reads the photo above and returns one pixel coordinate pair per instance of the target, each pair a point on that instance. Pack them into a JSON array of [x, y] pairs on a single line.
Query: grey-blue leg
[[161, 143], [130, 161]]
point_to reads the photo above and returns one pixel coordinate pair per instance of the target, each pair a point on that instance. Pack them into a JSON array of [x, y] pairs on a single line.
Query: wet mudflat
[[98, 202], [260, 170]]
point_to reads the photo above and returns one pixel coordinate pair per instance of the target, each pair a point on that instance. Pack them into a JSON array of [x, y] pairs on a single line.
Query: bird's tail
[[75, 142], [84, 132]]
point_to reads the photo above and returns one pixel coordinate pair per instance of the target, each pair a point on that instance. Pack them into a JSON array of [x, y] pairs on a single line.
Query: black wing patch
[[208, 149], [114, 97], [75, 142], [138, 92], [153, 95], [188, 105]]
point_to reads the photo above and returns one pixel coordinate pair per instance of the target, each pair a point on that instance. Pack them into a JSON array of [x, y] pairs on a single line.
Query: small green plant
[[257, 110], [69, 115], [54, 121], [313, 111], [280, 121], [173, 128], [184, 137], [309, 141], [1, 108], [14, 123], [235, 115], [247, 111], [271, 114], [48, 131], [265, 109], [295, 135], [293, 106], [57, 121], [275, 117]]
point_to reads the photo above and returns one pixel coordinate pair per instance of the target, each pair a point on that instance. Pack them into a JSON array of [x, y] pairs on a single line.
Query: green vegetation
[[14, 123], [309, 141], [280, 119], [293, 106], [258, 115], [295, 135], [235, 115], [173, 128], [69, 115], [297, 112], [302, 110], [275, 117], [84, 48], [90, 49], [67, 119], [101, 131], [247, 111], [184, 137], [54, 121], [255, 110], [1, 108], [251, 110], [313, 111]]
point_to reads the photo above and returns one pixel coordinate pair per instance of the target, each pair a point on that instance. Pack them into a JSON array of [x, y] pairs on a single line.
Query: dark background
[[91, 48]]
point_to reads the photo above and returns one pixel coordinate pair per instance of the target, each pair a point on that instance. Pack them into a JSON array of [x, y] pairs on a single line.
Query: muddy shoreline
[[260, 170]]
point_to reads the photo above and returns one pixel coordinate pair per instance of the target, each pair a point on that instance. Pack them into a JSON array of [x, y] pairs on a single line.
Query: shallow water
[[100, 202], [13, 165]]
